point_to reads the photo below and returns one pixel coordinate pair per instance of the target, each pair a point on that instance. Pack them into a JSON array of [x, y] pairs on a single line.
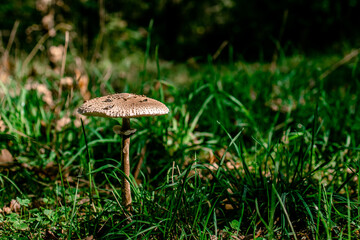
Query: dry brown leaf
[[83, 82], [62, 122], [15, 206], [213, 237], [43, 5], [67, 81], [48, 23], [5, 68], [47, 97], [56, 53], [212, 157], [2, 125], [84, 200], [7, 210], [232, 165], [5, 156], [212, 168], [4, 77], [220, 153], [5, 62], [229, 207], [259, 233]]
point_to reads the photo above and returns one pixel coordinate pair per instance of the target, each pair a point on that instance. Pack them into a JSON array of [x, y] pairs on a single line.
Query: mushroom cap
[[123, 105]]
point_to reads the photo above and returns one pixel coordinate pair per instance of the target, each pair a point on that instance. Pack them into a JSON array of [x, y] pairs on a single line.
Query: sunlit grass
[[246, 151]]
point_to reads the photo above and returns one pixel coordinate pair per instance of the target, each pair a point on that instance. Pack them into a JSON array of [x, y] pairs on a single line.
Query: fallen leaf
[[43, 5], [48, 23], [15, 206], [83, 82], [56, 53], [212, 157], [2, 125], [5, 156], [66, 81], [229, 207], [7, 210], [4, 77], [213, 237], [84, 200], [61, 123]]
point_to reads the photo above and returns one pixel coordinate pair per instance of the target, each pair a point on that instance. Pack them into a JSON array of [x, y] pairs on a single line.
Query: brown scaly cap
[[123, 105]]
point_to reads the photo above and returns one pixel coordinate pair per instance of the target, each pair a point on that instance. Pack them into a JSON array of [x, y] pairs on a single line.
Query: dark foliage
[[257, 30]]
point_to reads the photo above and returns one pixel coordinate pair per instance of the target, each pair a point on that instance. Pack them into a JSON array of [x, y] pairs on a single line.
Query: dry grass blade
[[12, 35], [63, 60], [5, 64], [64, 54], [343, 61], [33, 52]]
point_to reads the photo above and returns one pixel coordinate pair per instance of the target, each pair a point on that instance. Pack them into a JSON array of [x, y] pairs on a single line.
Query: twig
[[63, 61], [127, 215], [10, 43], [346, 59], [12, 36], [34, 51], [219, 50], [64, 54]]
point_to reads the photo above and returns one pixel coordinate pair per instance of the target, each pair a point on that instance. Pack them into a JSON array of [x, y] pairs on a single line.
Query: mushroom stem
[[125, 146]]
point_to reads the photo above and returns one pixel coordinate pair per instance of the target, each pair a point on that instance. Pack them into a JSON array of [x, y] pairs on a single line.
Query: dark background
[[255, 30]]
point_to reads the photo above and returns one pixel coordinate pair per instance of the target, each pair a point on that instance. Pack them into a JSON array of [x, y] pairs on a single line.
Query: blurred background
[[244, 30]]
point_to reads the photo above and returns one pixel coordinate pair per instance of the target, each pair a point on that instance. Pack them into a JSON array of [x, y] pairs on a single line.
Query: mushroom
[[125, 106]]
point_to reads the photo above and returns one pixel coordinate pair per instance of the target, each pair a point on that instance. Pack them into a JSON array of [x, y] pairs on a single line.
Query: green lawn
[[248, 150]]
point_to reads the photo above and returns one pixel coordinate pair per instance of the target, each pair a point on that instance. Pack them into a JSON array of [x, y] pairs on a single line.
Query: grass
[[247, 151]]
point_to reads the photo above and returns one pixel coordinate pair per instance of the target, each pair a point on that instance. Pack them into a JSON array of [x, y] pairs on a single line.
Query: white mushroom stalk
[[125, 106]]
